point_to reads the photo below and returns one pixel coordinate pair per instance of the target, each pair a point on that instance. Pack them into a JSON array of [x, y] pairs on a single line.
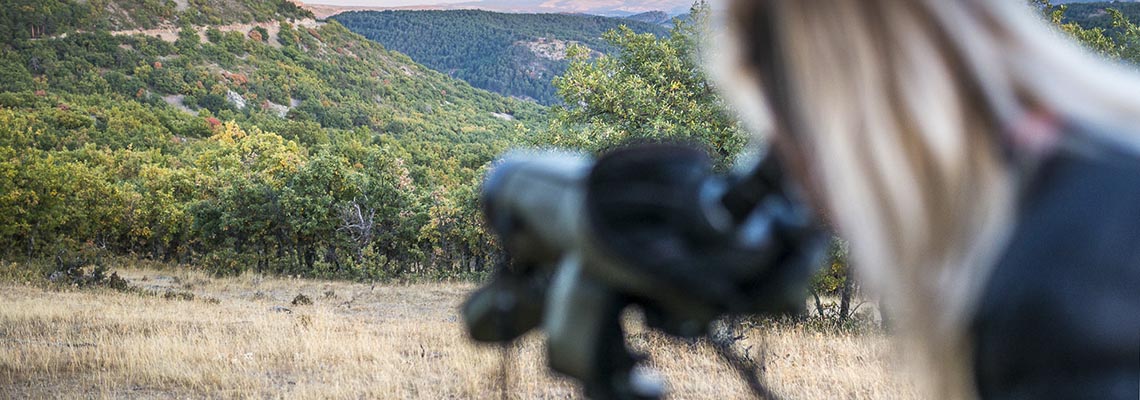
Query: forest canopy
[[29, 19], [289, 147], [511, 54]]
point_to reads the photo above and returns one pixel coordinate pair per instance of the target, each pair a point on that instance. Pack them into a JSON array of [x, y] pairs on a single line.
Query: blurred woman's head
[[909, 120]]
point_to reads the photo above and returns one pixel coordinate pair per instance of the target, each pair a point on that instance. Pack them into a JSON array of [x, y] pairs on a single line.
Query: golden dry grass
[[355, 341]]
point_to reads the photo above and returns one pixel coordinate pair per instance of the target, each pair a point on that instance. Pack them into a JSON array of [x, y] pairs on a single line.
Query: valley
[[516, 55]]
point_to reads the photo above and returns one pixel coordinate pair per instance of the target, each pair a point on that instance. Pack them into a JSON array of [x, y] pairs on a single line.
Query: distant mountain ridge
[[651, 17], [516, 55]]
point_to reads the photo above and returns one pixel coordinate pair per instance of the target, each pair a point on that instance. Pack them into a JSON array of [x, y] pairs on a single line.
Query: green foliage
[[1108, 29], [14, 75], [26, 19], [652, 89], [1095, 15], [655, 89], [831, 280], [260, 34], [32, 19], [492, 50], [322, 154]]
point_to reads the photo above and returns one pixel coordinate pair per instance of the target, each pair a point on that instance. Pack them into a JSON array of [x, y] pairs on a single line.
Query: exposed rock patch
[[277, 109], [546, 48], [235, 99], [176, 101]]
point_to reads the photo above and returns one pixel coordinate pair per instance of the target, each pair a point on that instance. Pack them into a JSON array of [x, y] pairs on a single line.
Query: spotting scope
[[652, 226]]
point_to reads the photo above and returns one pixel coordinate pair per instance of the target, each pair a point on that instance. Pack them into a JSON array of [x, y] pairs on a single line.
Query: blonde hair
[[900, 112]]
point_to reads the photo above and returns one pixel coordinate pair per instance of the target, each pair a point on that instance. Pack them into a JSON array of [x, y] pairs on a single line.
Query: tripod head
[[647, 226]]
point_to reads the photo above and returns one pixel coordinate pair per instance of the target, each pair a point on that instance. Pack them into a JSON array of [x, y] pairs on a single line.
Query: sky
[[383, 3], [583, 6]]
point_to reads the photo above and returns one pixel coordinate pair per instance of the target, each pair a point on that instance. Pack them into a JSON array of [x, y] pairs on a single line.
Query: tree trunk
[[818, 303], [32, 240], [885, 321], [310, 258], [845, 295]]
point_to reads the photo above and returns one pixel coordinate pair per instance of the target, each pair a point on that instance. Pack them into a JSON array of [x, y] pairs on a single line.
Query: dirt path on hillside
[[170, 33]]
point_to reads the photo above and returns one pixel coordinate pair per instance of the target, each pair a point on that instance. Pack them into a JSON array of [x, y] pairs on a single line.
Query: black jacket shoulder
[[1060, 316]]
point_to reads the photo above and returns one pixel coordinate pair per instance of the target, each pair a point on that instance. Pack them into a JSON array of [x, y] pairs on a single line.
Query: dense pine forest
[[515, 55], [288, 146]]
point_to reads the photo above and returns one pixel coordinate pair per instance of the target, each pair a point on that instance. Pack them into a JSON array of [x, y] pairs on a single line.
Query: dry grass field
[[235, 339]]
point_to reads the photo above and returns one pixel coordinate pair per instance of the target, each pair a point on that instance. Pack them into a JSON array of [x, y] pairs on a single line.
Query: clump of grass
[[302, 300], [856, 324], [178, 295], [87, 273], [26, 273]]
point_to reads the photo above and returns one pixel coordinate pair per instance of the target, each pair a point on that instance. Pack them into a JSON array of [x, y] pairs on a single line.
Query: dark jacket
[[1060, 316]]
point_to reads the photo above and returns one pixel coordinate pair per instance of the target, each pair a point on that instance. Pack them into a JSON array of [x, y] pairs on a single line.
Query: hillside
[[594, 7], [283, 146], [512, 54], [1092, 15], [23, 19], [652, 17]]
